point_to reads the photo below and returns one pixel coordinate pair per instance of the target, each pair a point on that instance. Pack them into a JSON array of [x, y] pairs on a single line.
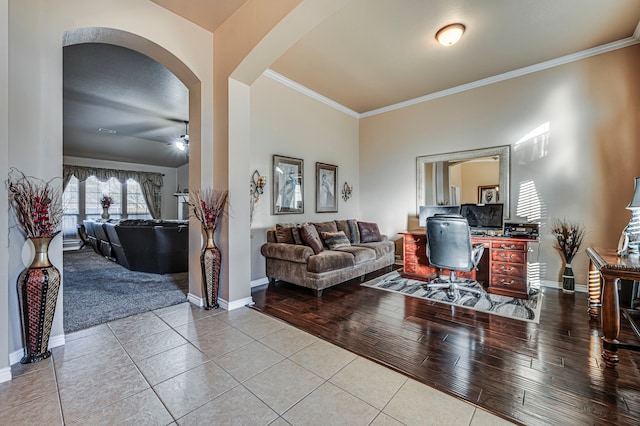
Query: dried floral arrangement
[[208, 205], [36, 203], [569, 236], [106, 201]]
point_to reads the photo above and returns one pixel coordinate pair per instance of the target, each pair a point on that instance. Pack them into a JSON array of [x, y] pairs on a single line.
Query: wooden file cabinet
[[503, 268]]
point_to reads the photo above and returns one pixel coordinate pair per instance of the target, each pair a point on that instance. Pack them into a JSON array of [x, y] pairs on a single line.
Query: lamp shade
[[635, 201]]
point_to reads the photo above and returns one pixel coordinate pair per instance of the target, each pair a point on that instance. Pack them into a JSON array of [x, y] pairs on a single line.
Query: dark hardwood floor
[[546, 373]]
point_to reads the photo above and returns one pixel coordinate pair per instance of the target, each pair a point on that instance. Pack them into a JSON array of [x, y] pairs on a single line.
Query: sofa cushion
[[354, 231], [360, 254], [380, 247], [311, 238], [369, 232], [284, 234], [326, 227], [335, 240], [330, 260]]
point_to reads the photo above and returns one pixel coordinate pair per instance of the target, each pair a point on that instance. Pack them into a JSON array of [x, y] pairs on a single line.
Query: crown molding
[[620, 44], [306, 91], [630, 41]]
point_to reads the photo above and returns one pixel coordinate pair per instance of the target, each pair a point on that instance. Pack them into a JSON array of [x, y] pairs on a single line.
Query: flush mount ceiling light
[[449, 35]]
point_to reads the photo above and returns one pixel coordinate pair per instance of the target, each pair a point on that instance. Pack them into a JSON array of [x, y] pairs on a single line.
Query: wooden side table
[[611, 268]]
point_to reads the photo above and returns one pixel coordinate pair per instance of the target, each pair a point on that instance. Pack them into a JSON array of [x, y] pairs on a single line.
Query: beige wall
[[581, 165], [475, 174], [286, 122]]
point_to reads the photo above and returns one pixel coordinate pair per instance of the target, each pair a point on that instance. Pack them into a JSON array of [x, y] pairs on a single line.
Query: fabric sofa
[[321, 255], [156, 246]]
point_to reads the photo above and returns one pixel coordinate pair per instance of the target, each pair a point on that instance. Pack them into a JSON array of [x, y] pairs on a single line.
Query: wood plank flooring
[[534, 374]]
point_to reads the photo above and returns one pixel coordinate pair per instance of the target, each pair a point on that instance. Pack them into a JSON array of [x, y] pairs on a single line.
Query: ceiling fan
[[183, 142]]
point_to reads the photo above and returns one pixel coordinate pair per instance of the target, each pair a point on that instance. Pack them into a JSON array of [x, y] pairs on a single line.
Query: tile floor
[[184, 365]]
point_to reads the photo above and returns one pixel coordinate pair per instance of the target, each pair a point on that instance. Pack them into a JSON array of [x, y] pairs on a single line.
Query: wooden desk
[[611, 269], [503, 266]]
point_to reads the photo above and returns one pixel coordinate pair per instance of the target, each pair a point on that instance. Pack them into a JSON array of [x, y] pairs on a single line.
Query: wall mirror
[[464, 176]]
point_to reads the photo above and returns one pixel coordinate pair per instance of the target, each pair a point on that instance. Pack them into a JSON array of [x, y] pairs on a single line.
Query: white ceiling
[[369, 55]]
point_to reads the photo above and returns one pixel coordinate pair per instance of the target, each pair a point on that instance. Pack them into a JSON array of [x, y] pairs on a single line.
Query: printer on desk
[[528, 230]]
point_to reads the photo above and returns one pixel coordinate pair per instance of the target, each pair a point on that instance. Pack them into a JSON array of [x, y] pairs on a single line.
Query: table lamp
[[633, 228]]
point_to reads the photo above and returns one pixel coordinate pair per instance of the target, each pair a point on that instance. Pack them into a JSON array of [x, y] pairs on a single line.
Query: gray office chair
[[449, 247]]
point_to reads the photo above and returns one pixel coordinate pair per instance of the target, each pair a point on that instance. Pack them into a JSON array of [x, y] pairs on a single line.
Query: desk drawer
[[518, 284], [426, 271], [415, 238], [416, 258], [509, 245], [510, 269], [511, 256]]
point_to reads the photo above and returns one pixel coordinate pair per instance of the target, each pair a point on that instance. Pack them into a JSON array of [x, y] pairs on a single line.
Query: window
[[81, 200]]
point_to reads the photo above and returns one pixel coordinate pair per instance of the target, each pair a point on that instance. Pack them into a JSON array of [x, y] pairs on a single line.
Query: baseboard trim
[[5, 374], [579, 288], [54, 342], [259, 282], [225, 305]]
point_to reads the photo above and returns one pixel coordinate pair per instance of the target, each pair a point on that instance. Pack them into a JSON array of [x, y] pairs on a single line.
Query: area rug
[[97, 290], [520, 309]]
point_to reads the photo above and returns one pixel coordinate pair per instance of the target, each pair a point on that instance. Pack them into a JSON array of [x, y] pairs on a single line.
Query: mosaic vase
[[38, 287], [210, 260]]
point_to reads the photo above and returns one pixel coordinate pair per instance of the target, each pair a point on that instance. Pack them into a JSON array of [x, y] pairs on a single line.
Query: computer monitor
[[428, 211], [483, 216]]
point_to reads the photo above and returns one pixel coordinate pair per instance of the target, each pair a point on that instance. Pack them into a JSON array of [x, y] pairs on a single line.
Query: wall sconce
[[346, 191], [256, 188], [257, 185]]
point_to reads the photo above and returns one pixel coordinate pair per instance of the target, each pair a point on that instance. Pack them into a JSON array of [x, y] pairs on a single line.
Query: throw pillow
[[295, 232], [311, 238], [343, 226], [283, 234], [354, 231], [335, 240], [326, 227], [369, 232]]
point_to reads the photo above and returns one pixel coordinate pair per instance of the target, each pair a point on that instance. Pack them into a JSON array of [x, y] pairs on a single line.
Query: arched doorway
[[136, 45]]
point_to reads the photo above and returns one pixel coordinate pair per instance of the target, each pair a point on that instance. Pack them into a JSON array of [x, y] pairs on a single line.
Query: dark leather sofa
[[157, 246]]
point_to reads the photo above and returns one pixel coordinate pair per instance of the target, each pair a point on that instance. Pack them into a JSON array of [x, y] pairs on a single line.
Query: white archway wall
[[35, 33]]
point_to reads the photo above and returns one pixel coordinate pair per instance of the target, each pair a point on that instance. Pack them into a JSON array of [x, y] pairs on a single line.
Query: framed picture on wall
[[326, 188], [489, 194], [288, 185]]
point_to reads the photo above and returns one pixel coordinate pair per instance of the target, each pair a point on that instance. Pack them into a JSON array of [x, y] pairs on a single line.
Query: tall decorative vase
[[105, 213], [38, 287], [568, 279], [210, 261]]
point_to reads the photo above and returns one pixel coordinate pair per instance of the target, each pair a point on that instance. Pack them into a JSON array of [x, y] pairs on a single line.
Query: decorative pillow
[[311, 238], [326, 227], [295, 233], [354, 231], [335, 240], [343, 226], [369, 232], [284, 234]]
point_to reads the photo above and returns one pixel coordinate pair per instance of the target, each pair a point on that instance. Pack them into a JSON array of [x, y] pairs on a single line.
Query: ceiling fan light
[[180, 145], [450, 35]]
